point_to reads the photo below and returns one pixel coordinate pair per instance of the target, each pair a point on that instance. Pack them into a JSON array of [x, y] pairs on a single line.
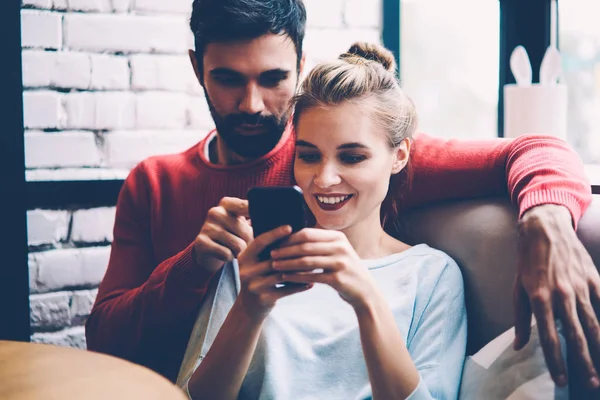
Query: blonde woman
[[376, 318]]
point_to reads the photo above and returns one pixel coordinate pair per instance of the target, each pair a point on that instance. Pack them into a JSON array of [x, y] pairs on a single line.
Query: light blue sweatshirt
[[310, 346]]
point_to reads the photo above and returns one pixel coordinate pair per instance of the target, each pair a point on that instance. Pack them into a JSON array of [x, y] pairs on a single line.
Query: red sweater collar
[[271, 157]]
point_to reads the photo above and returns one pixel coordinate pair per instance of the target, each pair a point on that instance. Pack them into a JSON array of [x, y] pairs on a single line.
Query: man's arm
[[531, 169], [140, 302], [556, 278]]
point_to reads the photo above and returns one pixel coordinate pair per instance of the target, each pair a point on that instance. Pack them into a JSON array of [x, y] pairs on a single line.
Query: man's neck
[[219, 153]]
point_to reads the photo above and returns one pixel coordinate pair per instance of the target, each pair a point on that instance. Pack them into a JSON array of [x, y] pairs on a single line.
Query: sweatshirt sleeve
[[531, 169], [438, 343], [139, 301]]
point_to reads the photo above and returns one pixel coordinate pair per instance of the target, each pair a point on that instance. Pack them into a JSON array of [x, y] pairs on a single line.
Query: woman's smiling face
[[343, 164]]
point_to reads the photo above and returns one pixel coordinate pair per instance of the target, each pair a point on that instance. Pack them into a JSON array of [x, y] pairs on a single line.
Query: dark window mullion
[[525, 23], [14, 274], [391, 28]]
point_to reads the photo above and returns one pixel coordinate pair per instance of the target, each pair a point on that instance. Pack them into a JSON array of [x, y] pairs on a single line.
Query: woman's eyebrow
[[304, 143], [352, 145]]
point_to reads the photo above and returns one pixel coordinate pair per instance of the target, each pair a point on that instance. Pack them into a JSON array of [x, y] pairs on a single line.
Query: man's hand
[[556, 279], [224, 235]]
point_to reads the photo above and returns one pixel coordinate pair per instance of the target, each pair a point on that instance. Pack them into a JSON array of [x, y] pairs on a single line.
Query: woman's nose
[[327, 176]]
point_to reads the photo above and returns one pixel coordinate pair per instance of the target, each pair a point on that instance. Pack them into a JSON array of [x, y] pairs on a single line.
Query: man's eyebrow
[[276, 71], [224, 71]]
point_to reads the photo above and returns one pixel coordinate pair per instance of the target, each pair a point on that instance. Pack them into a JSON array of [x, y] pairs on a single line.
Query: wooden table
[[38, 371]]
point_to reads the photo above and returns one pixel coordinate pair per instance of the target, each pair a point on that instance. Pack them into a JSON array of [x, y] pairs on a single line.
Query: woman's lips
[[332, 206]]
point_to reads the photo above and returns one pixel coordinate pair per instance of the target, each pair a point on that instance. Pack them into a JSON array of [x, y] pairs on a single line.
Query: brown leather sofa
[[481, 236]]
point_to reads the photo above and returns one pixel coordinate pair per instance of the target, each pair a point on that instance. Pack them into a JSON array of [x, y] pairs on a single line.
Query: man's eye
[[228, 80], [352, 158], [309, 158], [272, 81]]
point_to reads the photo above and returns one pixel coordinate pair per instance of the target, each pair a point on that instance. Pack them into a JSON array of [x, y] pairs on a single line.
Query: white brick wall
[[59, 150], [100, 110], [163, 72], [43, 109], [47, 226], [126, 33], [124, 149], [41, 29], [109, 72], [162, 7], [108, 83], [62, 269], [70, 337], [93, 226]]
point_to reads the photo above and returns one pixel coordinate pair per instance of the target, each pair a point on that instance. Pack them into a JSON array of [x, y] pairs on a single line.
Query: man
[[179, 217]]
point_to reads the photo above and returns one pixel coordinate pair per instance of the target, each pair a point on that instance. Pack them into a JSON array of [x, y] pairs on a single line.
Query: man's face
[[248, 87]]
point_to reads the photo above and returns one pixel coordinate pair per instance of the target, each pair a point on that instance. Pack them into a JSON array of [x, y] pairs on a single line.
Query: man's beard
[[249, 146]]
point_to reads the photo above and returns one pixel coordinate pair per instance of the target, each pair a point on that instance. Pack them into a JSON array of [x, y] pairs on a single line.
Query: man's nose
[[252, 102], [327, 176]]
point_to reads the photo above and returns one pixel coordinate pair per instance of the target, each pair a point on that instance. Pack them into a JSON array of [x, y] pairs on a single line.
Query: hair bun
[[372, 52]]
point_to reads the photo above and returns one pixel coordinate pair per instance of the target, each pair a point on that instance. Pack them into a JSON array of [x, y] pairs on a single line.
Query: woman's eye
[[309, 158], [352, 158]]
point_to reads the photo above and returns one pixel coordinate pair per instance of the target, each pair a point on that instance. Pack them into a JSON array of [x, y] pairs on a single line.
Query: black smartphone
[[273, 206]]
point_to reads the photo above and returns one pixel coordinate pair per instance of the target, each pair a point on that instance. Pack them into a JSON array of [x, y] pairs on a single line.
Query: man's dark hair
[[230, 20]]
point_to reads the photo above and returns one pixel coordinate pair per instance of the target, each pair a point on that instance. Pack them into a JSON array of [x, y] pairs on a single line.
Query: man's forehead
[[254, 56]]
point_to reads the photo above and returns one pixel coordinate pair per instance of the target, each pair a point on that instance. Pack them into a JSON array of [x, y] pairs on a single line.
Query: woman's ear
[[402, 153]]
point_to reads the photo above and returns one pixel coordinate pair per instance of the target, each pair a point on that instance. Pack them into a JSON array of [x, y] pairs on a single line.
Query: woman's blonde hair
[[365, 75]]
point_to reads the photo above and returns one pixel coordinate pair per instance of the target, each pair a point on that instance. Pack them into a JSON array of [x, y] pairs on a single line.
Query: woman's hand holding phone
[[325, 256], [259, 282]]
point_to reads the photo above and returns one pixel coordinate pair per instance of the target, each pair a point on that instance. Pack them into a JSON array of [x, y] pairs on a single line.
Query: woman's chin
[[333, 224]]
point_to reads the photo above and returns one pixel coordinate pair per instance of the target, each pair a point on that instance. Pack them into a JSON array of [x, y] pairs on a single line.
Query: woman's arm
[[430, 365], [392, 372], [221, 373]]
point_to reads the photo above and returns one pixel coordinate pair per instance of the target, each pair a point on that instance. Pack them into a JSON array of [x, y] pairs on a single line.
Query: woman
[[372, 316]]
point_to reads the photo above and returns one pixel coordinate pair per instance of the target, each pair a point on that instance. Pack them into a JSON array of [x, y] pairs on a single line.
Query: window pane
[[450, 65], [580, 47]]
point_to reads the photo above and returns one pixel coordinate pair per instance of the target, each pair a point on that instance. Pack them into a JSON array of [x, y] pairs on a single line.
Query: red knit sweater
[[152, 290]]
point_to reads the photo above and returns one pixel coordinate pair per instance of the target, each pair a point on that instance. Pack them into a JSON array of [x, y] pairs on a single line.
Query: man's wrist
[[546, 217]]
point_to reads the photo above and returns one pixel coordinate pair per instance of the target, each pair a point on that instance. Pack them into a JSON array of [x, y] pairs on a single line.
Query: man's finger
[[211, 249], [591, 329], [227, 239], [522, 308], [541, 304], [235, 206], [236, 225]]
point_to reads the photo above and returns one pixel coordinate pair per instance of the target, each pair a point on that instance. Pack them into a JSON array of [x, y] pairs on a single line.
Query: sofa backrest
[[481, 235]]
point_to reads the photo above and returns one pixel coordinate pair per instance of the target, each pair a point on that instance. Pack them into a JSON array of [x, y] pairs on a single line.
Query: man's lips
[[250, 129]]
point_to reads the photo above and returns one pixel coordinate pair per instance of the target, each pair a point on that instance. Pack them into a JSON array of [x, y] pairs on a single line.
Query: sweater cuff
[[541, 197], [188, 272]]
